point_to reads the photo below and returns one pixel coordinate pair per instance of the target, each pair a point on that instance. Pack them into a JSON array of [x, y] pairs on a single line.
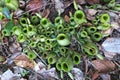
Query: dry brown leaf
[[93, 1], [46, 13], [15, 47], [34, 5], [80, 1], [95, 75], [23, 61], [66, 18], [103, 66]]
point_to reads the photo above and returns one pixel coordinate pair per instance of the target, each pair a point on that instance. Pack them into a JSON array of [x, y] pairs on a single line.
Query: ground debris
[[77, 73], [103, 66], [112, 45]]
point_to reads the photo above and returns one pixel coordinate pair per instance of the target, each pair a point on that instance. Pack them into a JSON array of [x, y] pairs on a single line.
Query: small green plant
[[53, 40]]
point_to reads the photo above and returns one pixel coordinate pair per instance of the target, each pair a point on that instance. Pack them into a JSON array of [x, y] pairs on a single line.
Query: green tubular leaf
[[111, 4], [43, 31], [12, 4], [25, 31], [79, 17], [21, 38], [52, 29], [63, 40], [35, 19], [71, 30], [117, 7], [59, 63], [97, 36], [48, 47], [104, 18], [76, 58], [2, 3], [42, 38], [67, 65], [39, 44], [31, 55], [8, 28], [33, 44], [72, 22], [59, 20], [48, 42], [95, 22], [45, 22], [104, 26], [16, 30], [91, 30], [26, 15], [75, 5], [1, 16], [83, 33], [60, 27], [65, 30], [45, 55], [25, 50], [51, 58], [5, 32], [48, 33], [31, 30], [23, 21], [106, 1], [63, 51], [90, 49]]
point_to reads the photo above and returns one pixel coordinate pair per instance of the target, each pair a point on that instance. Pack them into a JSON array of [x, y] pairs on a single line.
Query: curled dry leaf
[[103, 66], [66, 18], [46, 13], [59, 6], [15, 47], [34, 5], [107, 32], [93, 1], [23, 61], [92, 12], [49, 74], [80, 1]]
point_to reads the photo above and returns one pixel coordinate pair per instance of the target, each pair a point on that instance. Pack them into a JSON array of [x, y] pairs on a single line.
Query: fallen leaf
[[66, 18], [23, 61], [103, 66], [34, 5], [10, 75], [15, 47], [105, 77], [59, 6], [78, 74], [107, 32], [80, 1], [49, 74], [112, 45], [92, 12], [93, 1], [95, 75], [46, 13]]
